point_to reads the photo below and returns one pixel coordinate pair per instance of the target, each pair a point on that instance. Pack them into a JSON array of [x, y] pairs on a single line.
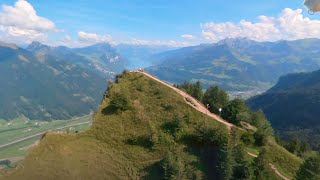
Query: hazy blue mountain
[[293, 106], [139, 56], [101, 58], [45, 87], [238, 64]]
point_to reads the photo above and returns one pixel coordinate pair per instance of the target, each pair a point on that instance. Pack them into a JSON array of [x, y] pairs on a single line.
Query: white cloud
[[93, 38], [21, 23], [289, 25], [188, 36]]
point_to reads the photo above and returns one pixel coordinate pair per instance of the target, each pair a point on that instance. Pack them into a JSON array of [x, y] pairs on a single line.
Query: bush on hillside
[[172, 167], [247, 138], [172, 127], [262, 169], [260, 138], [242, 168], [119, 102], [145, 141]]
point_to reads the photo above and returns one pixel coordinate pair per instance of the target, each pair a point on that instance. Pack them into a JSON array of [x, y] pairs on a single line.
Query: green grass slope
[[142, 130], [131, 143]]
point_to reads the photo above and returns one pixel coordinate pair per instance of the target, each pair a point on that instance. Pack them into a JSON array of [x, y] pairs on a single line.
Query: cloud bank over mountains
[[20, 23], [289, 25]]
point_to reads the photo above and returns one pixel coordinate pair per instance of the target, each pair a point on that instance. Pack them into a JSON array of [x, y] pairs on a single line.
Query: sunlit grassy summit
[[145, 130]]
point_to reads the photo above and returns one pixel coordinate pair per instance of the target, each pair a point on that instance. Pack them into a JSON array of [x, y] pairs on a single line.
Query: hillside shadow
[[155, 172], [207, 155], [144, 141], [109, 110], [208, 160]]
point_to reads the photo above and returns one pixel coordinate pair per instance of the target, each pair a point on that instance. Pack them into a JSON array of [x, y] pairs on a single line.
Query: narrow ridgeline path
[[201, 108], [190, 100]]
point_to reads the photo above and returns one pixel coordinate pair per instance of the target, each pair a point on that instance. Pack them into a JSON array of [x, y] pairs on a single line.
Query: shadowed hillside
[[293, 106], [45, 88]]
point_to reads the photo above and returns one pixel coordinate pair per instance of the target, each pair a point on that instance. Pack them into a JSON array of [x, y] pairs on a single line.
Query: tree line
[[236, 111]]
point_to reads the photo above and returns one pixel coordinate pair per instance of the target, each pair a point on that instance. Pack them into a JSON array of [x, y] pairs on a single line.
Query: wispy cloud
[[188, 36], [93, 38]]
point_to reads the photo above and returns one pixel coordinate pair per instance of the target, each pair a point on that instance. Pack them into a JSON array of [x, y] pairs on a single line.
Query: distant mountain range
[[293, 106], [100, 57], [40, 78], [44, 83], [238, 64], [139, 56]]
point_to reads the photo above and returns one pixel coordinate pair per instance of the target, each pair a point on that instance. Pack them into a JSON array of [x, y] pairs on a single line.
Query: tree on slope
[[216, 98], [262, 169], [310, 169], [195, 90], [232, 111]]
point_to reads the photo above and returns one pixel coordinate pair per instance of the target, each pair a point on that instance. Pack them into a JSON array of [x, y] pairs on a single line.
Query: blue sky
[[157, 21]]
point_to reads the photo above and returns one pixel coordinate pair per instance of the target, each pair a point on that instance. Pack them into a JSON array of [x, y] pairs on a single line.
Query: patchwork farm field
[[17, 136]]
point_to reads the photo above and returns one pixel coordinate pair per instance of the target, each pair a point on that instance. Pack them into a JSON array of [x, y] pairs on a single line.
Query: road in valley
[[41, 133]]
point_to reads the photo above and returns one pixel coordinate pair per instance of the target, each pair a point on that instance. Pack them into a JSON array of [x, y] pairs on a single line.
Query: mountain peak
[[36, 46], [102, 45], [236, 41]]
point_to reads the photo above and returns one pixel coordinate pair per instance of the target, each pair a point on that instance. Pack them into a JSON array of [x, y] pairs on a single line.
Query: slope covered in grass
[[143, 130], [150, 128]]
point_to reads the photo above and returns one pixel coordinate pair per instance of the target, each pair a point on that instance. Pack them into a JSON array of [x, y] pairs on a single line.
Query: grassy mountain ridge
[[144, 130]]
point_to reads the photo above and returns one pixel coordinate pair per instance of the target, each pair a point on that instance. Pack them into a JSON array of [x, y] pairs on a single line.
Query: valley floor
[[18, 136]]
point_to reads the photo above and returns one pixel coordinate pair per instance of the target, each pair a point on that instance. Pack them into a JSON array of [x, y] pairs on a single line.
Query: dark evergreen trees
[[310, 169], [232, 111], [262, 169], [216, 98], [194, 89]]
